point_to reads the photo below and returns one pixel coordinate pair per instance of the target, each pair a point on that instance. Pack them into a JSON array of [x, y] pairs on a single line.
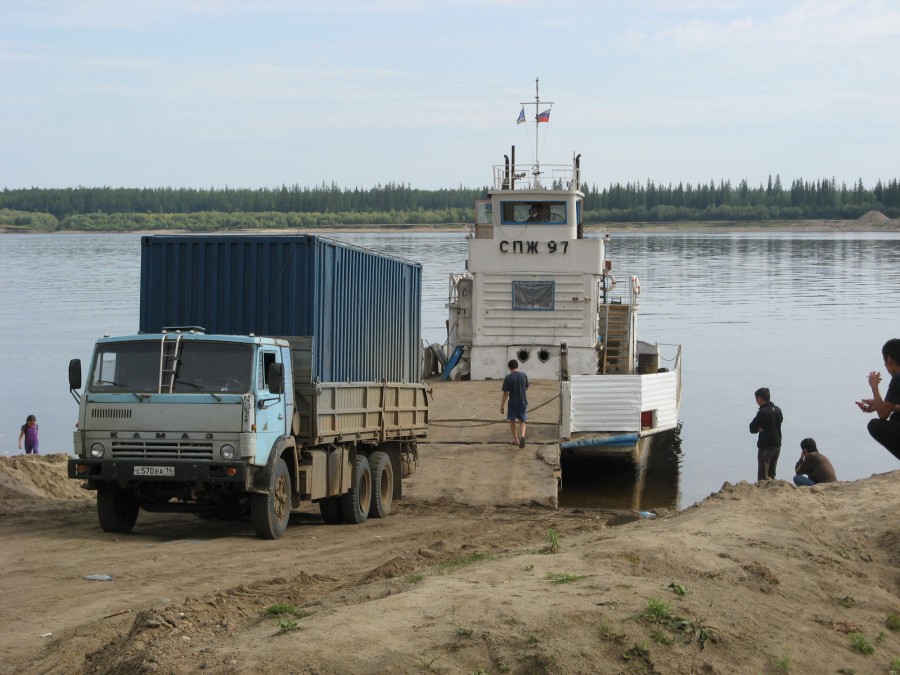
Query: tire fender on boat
[[636, 285]]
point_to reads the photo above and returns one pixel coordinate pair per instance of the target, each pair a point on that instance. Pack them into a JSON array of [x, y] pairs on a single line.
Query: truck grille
[[111, 413], [136, 448]]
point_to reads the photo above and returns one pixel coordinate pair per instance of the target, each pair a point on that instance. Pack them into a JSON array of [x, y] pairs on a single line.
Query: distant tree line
[[399, 204]]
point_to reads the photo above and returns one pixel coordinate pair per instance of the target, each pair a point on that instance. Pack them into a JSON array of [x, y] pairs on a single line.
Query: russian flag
[[521, 117], [544, 116]]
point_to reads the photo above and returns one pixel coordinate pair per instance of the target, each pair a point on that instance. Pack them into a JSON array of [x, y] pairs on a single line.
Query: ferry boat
[[540, 291]]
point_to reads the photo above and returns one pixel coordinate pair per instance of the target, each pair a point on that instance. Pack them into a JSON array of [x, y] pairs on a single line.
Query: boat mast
[[537, 125]]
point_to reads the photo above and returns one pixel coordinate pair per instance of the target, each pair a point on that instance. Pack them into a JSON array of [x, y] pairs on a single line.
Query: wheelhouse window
[[533, 296], [517, 213], [200, 366]]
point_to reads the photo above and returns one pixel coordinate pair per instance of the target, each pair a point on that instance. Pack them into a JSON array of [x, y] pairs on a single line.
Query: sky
[[264, 93]]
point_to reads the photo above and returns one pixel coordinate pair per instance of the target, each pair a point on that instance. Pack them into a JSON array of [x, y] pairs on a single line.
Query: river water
[[803, 314]]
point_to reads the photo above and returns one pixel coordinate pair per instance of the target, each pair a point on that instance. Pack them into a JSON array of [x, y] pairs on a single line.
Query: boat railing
[[536, 177]]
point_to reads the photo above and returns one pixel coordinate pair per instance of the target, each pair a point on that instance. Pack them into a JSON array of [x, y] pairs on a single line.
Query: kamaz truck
[[267, 370]]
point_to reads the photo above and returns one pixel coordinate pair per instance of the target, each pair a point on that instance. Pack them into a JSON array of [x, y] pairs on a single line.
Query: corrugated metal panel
[[659, 392], [613, 403], [361, 309], [606, 403]]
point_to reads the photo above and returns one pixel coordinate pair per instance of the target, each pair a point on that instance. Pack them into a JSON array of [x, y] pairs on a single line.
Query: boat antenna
[[537, 125]]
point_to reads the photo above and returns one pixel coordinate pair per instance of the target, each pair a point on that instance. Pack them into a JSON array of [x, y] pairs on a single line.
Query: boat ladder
[[615, 352]]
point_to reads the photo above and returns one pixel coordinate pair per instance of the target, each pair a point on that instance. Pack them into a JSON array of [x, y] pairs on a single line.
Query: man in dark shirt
[[514, 386], [813, 467], [886, 427], [767, 424]]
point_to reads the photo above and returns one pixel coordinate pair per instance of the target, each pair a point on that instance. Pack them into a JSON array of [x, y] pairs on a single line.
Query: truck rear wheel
[[117, 510], [330, 508], [355, 503], [382, 484], [272, 511]]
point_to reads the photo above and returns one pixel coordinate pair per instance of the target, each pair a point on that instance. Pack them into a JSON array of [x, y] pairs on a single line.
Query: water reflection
[[614, 484]]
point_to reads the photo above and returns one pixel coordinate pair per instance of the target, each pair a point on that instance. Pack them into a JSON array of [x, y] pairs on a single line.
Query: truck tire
[[271, 512], [382, 484], [117, 510], [330, 508], [355, 503]]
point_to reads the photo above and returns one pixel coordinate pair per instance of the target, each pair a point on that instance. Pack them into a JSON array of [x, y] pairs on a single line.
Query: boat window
[[533, 295], [533, 212]]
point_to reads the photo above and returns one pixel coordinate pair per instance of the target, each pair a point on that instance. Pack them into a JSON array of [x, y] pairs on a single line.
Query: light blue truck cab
[[181, 421]]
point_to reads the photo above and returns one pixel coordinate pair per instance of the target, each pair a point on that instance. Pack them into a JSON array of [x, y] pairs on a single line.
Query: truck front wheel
[[355, 503], [382, 484], [272, 511], [117, 510]]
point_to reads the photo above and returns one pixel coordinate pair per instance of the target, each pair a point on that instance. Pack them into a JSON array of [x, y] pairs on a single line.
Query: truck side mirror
[[75, 374], [276, 378]]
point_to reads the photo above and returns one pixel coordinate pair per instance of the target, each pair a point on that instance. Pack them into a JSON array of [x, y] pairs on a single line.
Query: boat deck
[[469, 458]]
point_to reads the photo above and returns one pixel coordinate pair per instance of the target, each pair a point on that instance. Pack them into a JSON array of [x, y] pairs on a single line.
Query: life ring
[[636, 285]]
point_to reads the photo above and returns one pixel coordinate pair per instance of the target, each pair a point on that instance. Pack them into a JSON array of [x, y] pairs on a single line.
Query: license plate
[[154, 471]]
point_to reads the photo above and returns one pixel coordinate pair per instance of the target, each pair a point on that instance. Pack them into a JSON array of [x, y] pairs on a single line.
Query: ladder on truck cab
[[169, 350]]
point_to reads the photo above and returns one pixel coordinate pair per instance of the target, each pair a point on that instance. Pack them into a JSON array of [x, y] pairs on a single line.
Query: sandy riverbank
[[475, 572], [764, 578]]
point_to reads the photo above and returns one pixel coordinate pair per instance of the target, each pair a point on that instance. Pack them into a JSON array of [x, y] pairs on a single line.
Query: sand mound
[[874, 218], [29, 479]]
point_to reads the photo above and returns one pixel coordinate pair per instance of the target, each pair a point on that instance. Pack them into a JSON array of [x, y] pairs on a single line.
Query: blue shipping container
[[361, 309]]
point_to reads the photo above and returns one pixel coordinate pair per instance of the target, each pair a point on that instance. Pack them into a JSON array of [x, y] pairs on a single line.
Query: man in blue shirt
[[514, 387]]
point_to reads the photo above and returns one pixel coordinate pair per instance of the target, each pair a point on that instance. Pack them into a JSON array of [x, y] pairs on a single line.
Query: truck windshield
[[201, 366]]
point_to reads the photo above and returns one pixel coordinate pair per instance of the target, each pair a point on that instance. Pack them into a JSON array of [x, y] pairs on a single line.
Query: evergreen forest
[[393, 204]]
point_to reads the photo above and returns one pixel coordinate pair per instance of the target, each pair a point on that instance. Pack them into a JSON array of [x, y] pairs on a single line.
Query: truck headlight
[[97, 450], [228, 452]]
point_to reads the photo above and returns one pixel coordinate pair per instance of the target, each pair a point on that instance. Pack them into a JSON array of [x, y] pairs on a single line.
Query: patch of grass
[[658, 611], [413, 578], [893, 621], [639, 650], [287, 626], [534, 638], [660, 637], [279, 609], [453, 564], [861, 643], [552, 541], [563, 577], [895, 665], [529, 568], [677, 589], [841, 552], [848, 601], [427, 661], [607, 633], [784, 665], [463, 630], [881, 637]]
